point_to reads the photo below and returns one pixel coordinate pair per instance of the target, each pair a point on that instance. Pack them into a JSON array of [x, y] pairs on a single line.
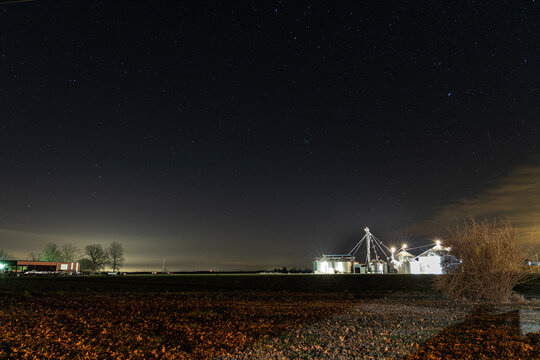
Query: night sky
[[242, 135]]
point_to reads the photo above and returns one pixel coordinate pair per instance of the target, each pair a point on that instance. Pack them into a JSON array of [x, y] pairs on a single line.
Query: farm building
[[430, 261], [40, 267]]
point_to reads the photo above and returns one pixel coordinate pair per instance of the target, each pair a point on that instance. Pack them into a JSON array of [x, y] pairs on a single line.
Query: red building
[[26, 266]]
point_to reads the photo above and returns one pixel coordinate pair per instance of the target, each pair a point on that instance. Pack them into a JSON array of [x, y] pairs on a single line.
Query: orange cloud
[[516, 197]]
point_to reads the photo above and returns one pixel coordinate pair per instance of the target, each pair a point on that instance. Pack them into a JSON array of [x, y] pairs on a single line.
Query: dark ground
[[357, 284], [354, 284], [255, 316]]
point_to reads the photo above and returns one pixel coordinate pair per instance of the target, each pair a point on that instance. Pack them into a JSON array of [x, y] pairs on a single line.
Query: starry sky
[[243, 135]]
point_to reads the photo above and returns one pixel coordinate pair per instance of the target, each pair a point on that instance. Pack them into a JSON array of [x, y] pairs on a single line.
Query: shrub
[[488, 261]]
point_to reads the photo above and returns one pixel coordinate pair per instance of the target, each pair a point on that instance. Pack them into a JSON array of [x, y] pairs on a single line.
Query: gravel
[[384, 328]]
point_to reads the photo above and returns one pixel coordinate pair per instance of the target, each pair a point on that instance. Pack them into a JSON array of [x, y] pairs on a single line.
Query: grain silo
[[334, 264]]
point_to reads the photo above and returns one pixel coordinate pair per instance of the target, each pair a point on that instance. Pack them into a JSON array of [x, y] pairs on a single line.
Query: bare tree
[[97, 256], [86, 264], [489, 261], [69, 253], [50, 253], [3, 255], [116, 256], [34, 256]]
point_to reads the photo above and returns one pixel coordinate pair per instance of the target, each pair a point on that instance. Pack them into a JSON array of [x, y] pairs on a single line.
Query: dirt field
[[250, 317]]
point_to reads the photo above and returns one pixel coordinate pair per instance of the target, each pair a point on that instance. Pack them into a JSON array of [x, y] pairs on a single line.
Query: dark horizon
[[256, 135]]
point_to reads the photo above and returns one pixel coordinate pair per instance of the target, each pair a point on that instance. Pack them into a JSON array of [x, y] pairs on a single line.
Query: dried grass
[[489, 260]]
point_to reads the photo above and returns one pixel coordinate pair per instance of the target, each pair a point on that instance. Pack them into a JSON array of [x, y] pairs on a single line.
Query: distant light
[[393, 249], [404, 246]]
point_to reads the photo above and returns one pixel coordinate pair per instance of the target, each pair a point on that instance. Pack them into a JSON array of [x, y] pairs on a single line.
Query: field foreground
[[153, 321]]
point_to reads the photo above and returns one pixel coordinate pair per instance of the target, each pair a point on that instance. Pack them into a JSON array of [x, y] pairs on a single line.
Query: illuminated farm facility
[[380, 259]]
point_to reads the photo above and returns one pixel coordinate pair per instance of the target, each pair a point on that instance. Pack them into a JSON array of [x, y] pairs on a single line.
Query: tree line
[[93, 258], [3, 255]]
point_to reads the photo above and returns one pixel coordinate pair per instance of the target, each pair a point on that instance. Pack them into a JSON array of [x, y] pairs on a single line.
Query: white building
[[430, 261]]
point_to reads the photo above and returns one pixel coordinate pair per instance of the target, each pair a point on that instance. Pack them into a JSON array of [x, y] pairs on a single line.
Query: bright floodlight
[[393, 249], [438, 242], [2, 266], [404, 246]]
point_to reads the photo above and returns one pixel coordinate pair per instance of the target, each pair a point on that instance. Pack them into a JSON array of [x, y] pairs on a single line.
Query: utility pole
[[368, 244], [163, 272]]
